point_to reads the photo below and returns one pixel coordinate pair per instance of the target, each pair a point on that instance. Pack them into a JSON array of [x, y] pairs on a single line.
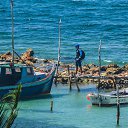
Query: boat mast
[[12, 16], [99, 55], [59, 45], [118, 103]]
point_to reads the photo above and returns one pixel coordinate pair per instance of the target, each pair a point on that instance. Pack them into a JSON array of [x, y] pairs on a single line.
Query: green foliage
[[8, 108]]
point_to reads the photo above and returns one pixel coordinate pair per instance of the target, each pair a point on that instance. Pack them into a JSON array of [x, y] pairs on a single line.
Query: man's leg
[[81, 69], [80, 65], [76, 67]]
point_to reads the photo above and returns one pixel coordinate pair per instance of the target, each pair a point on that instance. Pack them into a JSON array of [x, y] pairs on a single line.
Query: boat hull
[[33, 89], [107, 100]]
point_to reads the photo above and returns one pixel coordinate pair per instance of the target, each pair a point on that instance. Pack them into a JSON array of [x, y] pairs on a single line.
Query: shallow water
[[71, 110]]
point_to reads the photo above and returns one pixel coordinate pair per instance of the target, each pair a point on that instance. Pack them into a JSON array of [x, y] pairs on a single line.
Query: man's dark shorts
[[78, 63]]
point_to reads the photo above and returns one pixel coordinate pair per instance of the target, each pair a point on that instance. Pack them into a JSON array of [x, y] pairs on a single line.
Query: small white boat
[[108, 99]]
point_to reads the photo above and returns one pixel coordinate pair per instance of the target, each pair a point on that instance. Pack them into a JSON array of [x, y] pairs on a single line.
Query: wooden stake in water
[[118, 105], [51, 108], [76, 80], [69, 78], [12, 15], [68, 70], [99, 54], [118, 101], [70, 83]]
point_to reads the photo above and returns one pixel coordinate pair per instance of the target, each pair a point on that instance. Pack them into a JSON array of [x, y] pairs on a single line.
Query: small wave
[[109, 61]]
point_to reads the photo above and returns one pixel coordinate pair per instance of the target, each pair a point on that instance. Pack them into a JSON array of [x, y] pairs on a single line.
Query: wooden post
[[55, 80], [68, 70], [76, 80], [69, 78], [12, 15], [118, 103], [70, 82], [99, 51], [59, 45], [51, 108]]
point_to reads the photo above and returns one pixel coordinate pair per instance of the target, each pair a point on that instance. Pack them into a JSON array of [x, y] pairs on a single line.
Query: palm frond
[[8, 108]]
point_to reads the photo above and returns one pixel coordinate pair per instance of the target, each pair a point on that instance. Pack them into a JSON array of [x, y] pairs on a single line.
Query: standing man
[[80, 55]]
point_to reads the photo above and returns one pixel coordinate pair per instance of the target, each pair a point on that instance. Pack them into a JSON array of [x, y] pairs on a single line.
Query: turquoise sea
[[83, 21], [70, 110]]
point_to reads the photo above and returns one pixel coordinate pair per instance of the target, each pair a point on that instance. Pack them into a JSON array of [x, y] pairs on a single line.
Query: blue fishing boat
[[34, 83]]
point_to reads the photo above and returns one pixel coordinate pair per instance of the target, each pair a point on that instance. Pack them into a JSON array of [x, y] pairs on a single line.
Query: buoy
[[88, 97]]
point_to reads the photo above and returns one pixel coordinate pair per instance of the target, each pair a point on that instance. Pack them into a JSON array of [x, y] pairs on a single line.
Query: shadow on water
[[48, 96], [44, 123], [88, 90], [59, 95], [40, 111], [83, 89]]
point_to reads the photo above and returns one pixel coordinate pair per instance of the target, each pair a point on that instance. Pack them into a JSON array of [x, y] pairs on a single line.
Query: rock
[[125, 67], [6, 56], [103, 68], [31, 52], [119, 70], [28, 56], [29, 63], [94, 70], [104, 74], [112, 66], [64, 81], [111, 70], [85, 68], [91, 65], [8, 53], [46, 61], [64, 73]]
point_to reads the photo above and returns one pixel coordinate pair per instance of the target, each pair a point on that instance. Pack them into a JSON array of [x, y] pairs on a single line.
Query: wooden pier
[[73, 79]]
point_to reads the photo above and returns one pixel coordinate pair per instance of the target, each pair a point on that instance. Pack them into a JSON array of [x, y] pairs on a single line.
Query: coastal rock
[[124, 74], [125, 67], [112, 66], [64, 73], [28, 56], [91, 65], [45, 61], [119, 70], [103, 68], [6, 56], [111, 70], [94, 70], [115, 71], [64, 81], [29, 63]]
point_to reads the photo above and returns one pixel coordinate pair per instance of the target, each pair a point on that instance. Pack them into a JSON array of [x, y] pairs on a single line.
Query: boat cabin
[[11, 75]]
